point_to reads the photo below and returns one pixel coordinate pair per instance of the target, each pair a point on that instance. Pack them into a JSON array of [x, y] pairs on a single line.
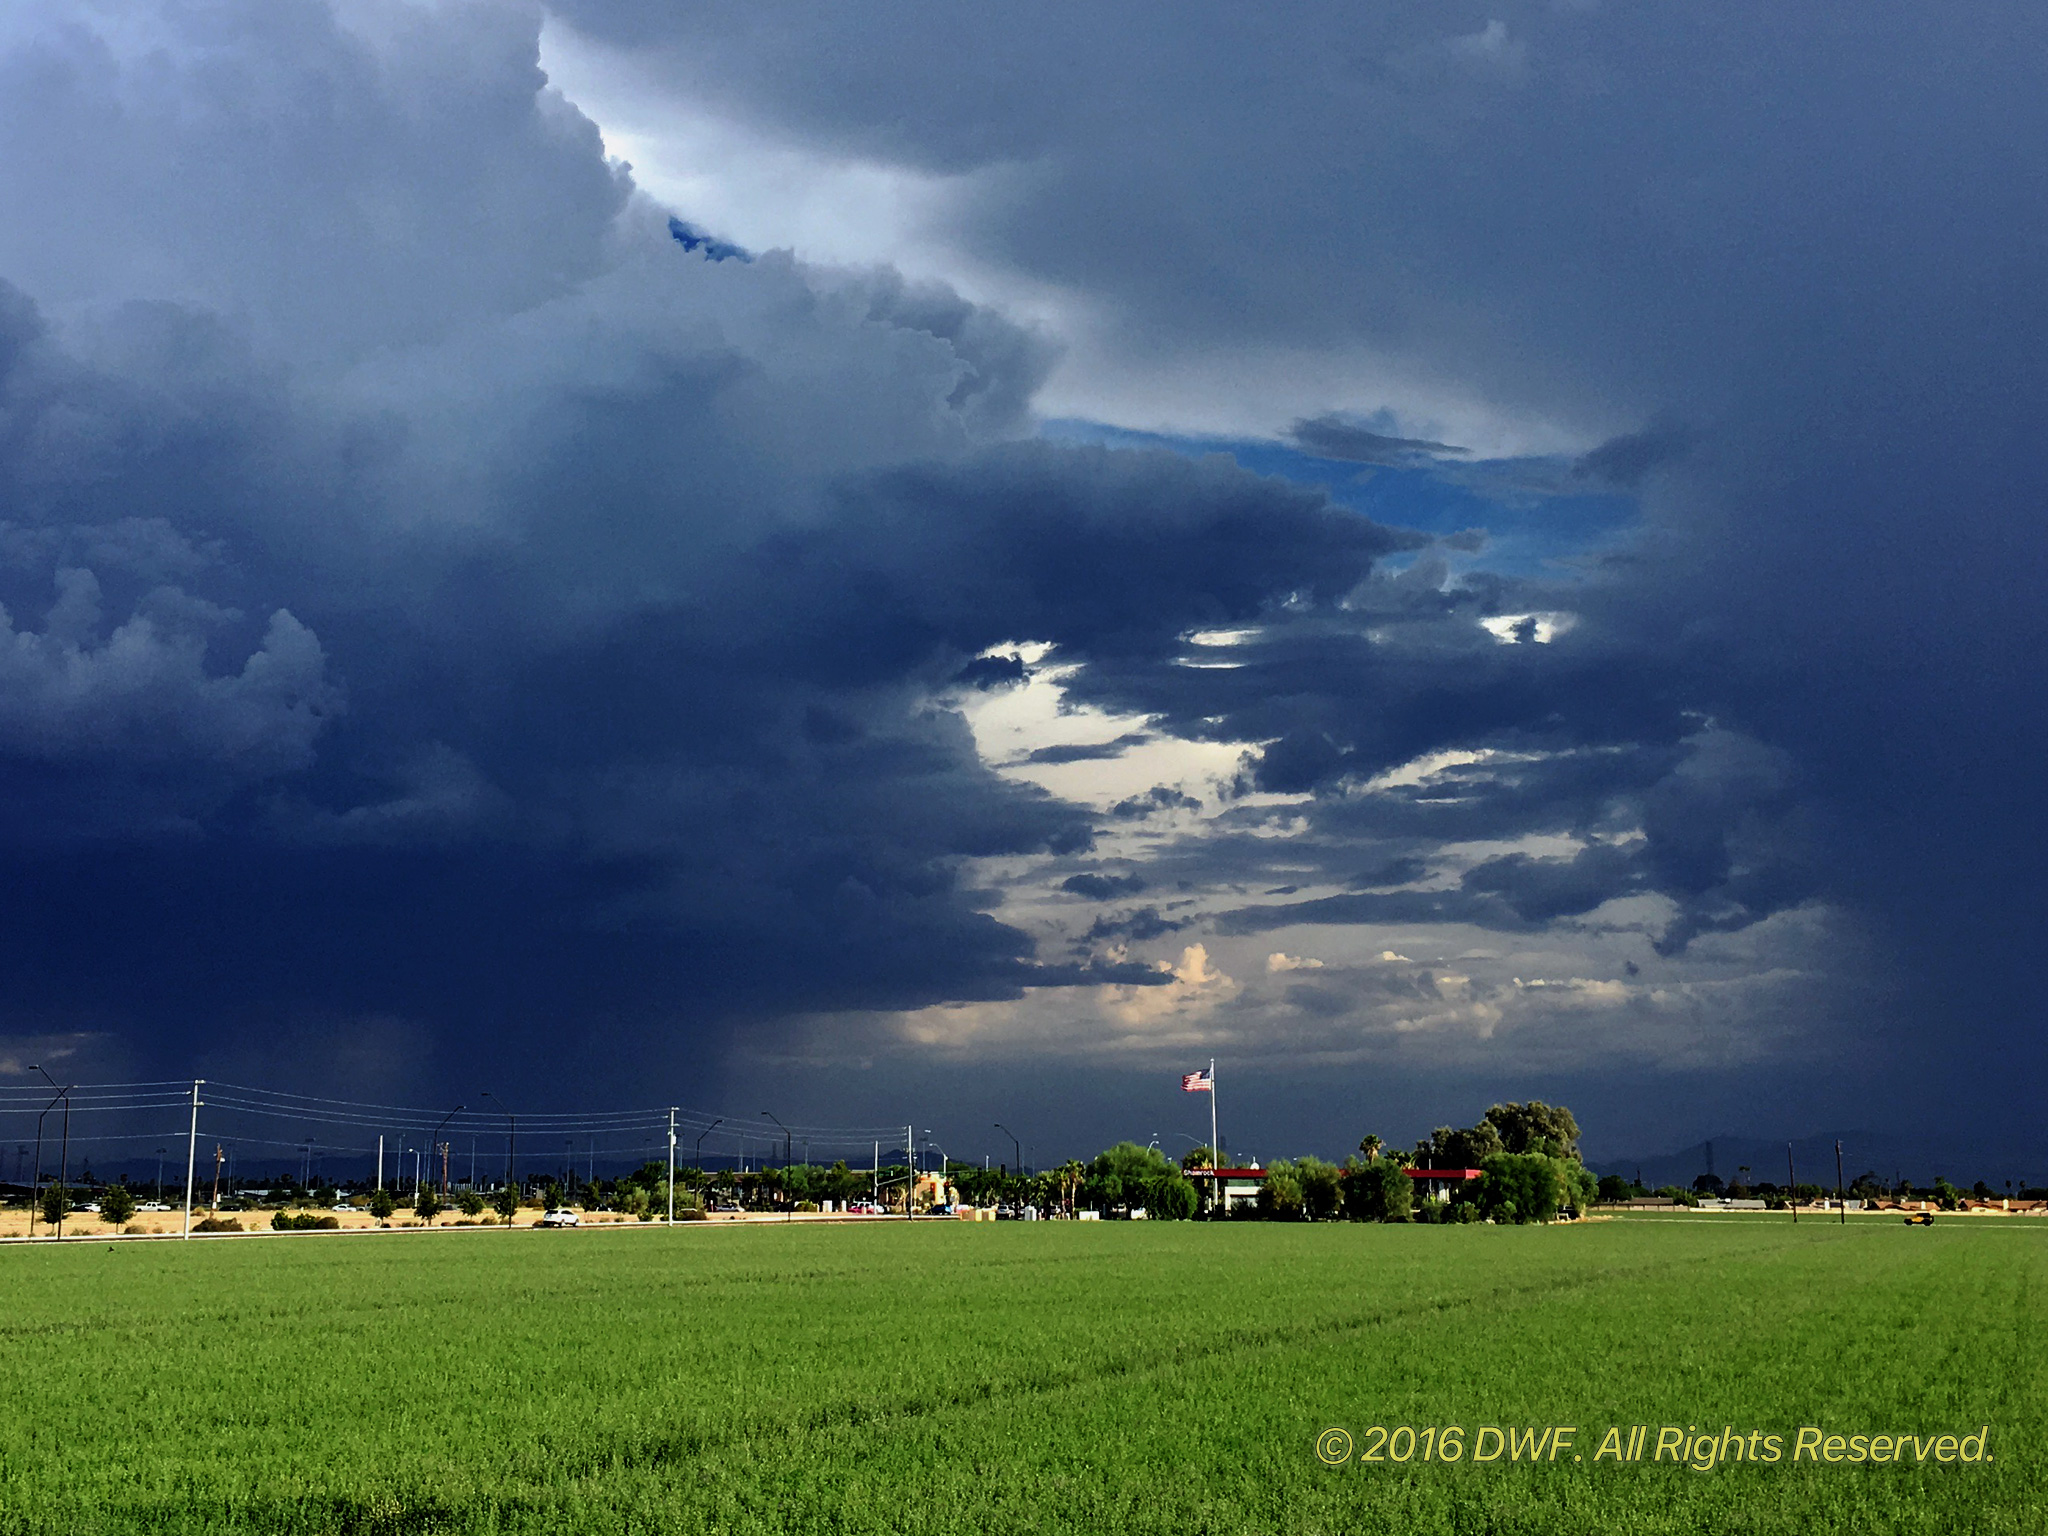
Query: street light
[[1016, 1146], [699, 1153], [940, 1188], [512, 1138], [36, 1201], [64, 1158]]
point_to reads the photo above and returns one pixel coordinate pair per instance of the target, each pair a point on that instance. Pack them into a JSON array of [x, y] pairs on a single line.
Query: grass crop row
[[945, 1377]]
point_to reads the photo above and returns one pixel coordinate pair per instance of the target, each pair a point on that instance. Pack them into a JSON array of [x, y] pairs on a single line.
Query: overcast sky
[[955, 562]]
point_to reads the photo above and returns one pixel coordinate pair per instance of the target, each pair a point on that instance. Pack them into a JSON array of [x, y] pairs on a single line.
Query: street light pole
[[64, 1158], [36, 1204], [1016, 1146], [672, 1165]]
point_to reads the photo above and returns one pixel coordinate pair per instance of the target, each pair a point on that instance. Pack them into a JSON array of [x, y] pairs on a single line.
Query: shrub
[[471, 1202], [690, 1213], [428, 1205], [806, 1205], [304, 1221], [217, 1224]]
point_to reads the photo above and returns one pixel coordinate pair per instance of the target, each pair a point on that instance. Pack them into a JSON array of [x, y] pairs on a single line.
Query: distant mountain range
[[1962, 1160]]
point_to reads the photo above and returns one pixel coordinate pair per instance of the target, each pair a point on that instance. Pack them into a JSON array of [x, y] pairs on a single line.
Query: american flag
[[1198, 1082]]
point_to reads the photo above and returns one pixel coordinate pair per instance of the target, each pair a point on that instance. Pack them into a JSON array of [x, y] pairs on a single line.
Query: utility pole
[[192, 1154], [380, 1159], [218, 1158], [910, 1189], [671, 1164]]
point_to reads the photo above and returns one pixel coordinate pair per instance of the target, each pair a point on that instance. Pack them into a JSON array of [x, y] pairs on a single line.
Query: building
[[1233, 1188]]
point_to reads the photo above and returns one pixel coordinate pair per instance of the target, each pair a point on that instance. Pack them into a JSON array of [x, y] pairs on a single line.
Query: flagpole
[[1215, 1153]]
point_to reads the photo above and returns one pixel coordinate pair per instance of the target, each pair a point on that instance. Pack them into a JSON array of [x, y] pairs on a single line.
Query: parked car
[[561, 1216], [343, 1205], [155, 1205], [90, 1208]]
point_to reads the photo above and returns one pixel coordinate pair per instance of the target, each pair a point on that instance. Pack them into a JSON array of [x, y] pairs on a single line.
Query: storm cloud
[[441, 581]]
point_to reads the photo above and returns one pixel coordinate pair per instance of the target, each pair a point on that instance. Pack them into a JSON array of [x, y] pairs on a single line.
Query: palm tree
[[1071, 1174], [1371, 1148]]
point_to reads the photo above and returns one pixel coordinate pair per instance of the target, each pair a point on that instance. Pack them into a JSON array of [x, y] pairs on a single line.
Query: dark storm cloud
[[1100, 887], [431, 589], [1089, 752], [1333, 437], [566, 649]]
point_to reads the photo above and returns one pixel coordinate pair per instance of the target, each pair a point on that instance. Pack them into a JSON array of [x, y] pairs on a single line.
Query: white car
[[561, 1216], [154, 1205], [343, 1206]]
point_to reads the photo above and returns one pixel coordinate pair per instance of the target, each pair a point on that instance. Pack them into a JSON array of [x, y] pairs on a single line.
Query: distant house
[[1232, 1187], [1435, 1183]]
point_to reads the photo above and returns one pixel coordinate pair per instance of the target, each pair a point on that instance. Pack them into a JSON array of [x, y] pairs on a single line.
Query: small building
[[1437, 1183], [1228, 1189]]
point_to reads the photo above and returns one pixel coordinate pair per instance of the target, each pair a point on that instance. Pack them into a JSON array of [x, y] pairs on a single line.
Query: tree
[[1378, 1191], [1322, 1190], [428, 1205], [1449, 1148], [1370, 1146], [1198, 1157], [1520, 1187], [472, 1203], [382, 1204], [1171, 1197], [1121, 1174], [56, 1204], [1707, 1184], [117, 1205], [506, 1201], [1536, 1127], [1280, 1194]]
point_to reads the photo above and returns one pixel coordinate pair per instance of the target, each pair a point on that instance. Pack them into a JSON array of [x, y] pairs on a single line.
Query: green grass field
[[1060, 1377]]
